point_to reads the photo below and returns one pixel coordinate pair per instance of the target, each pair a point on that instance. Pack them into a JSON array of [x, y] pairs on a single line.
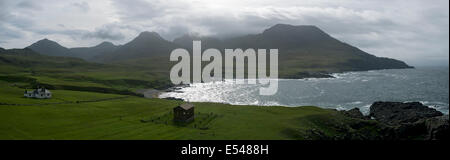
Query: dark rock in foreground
[[354, 113], [404, 121], [395, 113], [438, 127]]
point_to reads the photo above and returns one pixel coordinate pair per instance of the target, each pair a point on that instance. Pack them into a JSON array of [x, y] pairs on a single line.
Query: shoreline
[[437, 103]]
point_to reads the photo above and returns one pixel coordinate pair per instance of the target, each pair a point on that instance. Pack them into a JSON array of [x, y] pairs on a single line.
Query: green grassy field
[[98, 101], [123, 118]]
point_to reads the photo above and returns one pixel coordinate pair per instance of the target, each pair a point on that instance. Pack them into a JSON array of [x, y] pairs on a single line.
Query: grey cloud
[[144, 10], [173, 32], [28, 5], [4, 10], [83, 6], [8, 33], [107, 32], [407, 30], [9, 24]]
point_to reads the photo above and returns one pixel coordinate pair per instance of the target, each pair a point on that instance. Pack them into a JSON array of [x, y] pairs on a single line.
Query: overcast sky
[[416, 31]]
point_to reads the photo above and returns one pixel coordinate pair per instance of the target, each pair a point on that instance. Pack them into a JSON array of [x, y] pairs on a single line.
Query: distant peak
[[49, 47], [291, 29], [45, 42], [292, 26], [106, 43], [279, 27], [45, 39], [149, 34], [282, 25]]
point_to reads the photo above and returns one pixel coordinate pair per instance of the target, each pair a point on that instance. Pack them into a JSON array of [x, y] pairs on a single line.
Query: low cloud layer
[[416, 31]]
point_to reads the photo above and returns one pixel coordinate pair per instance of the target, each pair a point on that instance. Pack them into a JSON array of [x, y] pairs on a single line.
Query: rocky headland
[[399, 121]]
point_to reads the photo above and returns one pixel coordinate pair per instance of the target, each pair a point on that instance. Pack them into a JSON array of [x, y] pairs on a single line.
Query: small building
[[183, 113], [40, 93]]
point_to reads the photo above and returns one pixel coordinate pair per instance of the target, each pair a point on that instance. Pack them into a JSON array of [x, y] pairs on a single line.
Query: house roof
[[186, 106], [38, 91]]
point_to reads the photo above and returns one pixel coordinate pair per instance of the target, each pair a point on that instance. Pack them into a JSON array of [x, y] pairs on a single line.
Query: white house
[[38, 93]]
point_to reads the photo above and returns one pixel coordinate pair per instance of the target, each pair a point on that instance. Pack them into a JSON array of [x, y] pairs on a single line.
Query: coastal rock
[[302, 75], [354, 113], [411, 120], [438, 128], [149, 93], [434, 128], [177, 88], [173, 98], [395, 113], [395, 121]]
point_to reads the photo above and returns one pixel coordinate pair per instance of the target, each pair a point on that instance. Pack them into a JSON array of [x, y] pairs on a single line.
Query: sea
[[428, 85]]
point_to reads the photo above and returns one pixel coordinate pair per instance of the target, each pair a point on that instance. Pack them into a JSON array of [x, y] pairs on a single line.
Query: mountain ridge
[[146, 44], [302, 49], [89, 53]]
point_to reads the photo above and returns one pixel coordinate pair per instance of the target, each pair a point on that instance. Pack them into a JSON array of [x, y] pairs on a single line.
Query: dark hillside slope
[[89, 53], [147, 44]]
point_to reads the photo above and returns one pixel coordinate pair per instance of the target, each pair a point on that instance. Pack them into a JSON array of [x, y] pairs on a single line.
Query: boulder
[[411, 120], [354, 113], [438, 128], [396, 113]]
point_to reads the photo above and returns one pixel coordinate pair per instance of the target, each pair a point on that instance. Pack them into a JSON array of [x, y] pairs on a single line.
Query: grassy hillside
[[31, 69], [97, 101], [87, 115]]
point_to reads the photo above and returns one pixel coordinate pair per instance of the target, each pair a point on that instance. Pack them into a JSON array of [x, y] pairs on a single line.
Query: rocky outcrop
[[437, 127], [354, 113], [173, 98], [404, 121], [395, 113]]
